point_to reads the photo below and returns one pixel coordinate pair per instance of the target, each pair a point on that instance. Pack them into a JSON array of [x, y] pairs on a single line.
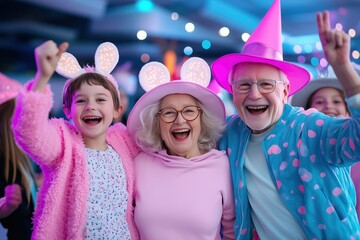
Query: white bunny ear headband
[[194, 70], [106, 58]]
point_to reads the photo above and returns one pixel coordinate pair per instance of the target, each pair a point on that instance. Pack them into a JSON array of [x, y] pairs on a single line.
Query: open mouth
[[92, 120], [257, 109], [181, 134], [331, 114]]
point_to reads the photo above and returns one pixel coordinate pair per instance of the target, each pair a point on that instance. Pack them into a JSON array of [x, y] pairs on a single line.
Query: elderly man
[[290, 167]]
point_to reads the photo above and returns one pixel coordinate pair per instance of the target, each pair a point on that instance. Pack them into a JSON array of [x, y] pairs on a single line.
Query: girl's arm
[[31, 126]]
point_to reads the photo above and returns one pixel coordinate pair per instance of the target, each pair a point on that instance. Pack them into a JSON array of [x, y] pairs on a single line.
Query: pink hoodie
[[58, 148], [179, 198]]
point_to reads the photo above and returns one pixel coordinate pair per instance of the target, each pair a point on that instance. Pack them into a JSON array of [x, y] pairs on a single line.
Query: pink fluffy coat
[[58, 148]]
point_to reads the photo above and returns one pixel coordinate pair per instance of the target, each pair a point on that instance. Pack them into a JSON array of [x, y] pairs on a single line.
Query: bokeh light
[[314, 61], [144, 5], [189, 27], [301, 59], [308, 48], [323, 62], [339, 27], [188, 50], [206, 44], [174, 16], [141, 35], [224, 32], [145, 57], [297, 49], [355, 54], [245, 36], [352, 32], [318, 46]]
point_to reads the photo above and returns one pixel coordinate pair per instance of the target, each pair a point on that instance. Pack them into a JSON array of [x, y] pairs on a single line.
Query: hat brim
[[9, 88], [222, 67], [300, 98], [208, 98]]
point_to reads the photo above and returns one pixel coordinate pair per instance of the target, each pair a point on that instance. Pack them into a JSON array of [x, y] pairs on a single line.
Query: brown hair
[[90, 78], [15, 159]]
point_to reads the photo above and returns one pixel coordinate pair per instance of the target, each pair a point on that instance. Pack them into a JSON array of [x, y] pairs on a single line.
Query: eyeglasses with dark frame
[[264, 86], [189, 113]]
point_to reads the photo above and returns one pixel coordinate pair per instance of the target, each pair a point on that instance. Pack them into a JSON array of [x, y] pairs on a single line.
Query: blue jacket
[[314, 151]]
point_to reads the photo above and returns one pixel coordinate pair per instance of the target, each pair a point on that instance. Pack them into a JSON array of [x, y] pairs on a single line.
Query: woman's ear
[[66, 111]]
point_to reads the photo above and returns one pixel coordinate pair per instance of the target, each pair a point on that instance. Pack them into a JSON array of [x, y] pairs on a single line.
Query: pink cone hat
[[9, 88], [263, 46]]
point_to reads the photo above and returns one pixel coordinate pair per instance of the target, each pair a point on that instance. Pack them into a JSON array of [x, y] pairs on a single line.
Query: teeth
[[256, 107], [91, 118], [181, 131]]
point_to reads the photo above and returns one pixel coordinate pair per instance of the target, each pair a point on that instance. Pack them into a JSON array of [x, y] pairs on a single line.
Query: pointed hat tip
[[268, 32]]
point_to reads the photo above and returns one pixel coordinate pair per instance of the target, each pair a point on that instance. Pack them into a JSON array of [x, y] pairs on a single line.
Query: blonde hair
[[14, 158]]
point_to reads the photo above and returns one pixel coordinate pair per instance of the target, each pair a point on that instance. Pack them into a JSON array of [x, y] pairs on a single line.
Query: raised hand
[[13, 199], [336, 44], [47, 56]]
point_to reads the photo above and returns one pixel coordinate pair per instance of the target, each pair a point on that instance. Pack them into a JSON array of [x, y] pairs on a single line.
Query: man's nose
[[254, 92]]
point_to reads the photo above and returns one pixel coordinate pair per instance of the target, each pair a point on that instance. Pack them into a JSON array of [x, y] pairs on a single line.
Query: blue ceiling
[[86, 23]]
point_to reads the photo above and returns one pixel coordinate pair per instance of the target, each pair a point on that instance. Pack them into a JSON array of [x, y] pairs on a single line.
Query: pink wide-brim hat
[[222, 69], [264, 46], [9, 88], [206, 97]]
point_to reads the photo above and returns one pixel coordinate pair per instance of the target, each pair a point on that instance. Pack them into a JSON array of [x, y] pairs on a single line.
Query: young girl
[[88, 183], [17, 178], [325, 94]]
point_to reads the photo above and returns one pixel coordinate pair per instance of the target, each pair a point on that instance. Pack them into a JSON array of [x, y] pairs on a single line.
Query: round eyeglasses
[[169, 114], [264, 86]]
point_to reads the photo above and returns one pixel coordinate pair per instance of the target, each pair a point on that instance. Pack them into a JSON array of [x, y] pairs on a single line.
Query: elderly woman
[[183, 186]]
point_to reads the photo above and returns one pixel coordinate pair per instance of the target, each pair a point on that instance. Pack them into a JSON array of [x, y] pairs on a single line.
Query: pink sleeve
[[31, 127]]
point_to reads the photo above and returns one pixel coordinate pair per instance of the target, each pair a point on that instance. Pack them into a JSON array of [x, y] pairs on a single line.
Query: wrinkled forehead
[[178, 99], [254, 71]]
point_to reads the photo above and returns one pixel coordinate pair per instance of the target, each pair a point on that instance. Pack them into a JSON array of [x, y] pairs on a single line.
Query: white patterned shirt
[[108, 197]]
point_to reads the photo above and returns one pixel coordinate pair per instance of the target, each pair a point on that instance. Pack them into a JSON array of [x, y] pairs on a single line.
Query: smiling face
[[181, 136], [259, 110], [92, 111], [329, 101]]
